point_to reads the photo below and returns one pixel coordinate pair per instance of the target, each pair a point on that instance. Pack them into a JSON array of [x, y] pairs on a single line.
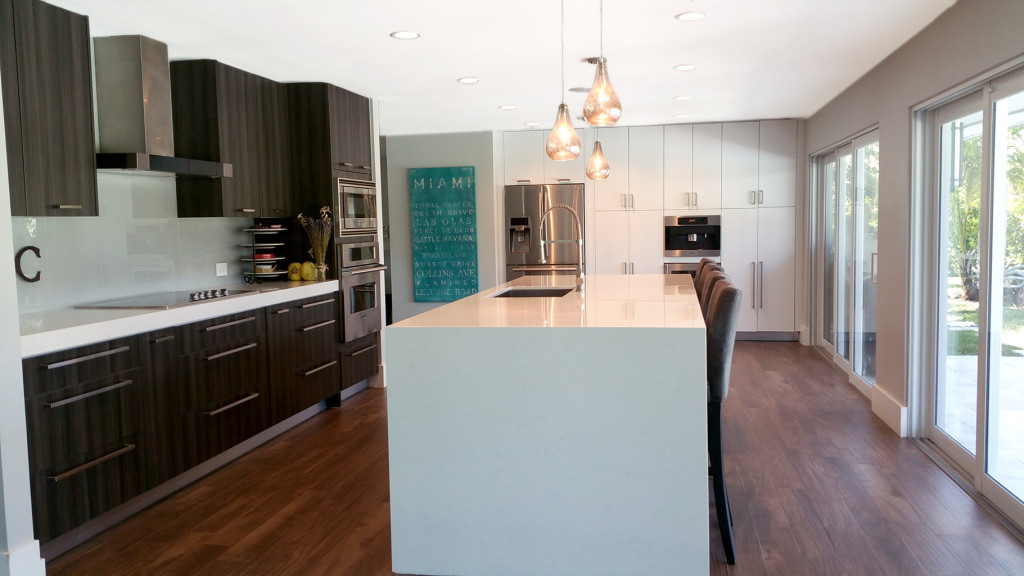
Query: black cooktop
[[167, 300]]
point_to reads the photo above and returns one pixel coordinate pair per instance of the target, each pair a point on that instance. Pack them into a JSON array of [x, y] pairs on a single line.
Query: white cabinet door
[[612, 191], [646, 167], [611, 231], [777, 162], [776, 268], [678, 167], [647, 242], [707, 167], [523, 153], [739, 164], [739, 258]]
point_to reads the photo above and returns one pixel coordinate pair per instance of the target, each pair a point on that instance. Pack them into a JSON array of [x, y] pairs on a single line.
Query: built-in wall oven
[[699, 236], [358, 251], [361, 290], [355, 208]]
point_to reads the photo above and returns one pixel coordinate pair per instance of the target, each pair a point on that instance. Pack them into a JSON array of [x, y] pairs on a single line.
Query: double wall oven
[[359, 260]]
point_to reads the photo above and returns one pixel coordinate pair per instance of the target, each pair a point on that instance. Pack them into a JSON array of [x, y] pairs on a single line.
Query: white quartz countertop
[[638, 301], [54, 330]]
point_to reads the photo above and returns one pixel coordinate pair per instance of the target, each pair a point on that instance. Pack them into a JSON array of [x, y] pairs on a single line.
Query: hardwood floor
[[817, 484]]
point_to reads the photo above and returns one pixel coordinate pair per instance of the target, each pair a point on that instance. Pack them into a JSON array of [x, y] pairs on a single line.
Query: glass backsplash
[[136, 245]]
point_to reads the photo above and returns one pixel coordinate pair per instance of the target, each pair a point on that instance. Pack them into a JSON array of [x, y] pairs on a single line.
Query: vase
[[321, 273]]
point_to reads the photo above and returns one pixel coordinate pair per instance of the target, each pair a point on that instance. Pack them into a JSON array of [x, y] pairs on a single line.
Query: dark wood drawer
[[222, 375], [210, 432], [66, 426], [217, 331], [66, 496], [52, 372], [306, 311], [360, 359], [305, 387]]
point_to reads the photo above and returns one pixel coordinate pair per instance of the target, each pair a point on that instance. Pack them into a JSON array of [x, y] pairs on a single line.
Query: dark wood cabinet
[[331, 137], [275, 163], [48, 109], [223, 376], [84, 427], [212, 122], [360, 359], [305, 367], [163, 455]]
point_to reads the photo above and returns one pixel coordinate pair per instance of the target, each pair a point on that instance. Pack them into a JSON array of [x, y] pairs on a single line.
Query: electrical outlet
[[222, 268]]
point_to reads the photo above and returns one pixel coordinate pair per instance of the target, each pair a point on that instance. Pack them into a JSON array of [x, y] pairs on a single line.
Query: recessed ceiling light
[[681, 116], [681, 98], [531, 124], [580, 90], [405, 35], [690, 16], [686, 67], [468, 80], [507, 107]]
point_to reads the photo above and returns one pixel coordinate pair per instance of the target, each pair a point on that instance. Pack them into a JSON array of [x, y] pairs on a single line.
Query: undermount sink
[[533, 292]]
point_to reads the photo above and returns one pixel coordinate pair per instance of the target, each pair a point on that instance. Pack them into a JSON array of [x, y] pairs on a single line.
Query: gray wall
[[19, 552], [968, 39], [478, 149]]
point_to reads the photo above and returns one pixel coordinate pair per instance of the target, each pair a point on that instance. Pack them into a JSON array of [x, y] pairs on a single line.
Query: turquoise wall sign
[[443, 205]]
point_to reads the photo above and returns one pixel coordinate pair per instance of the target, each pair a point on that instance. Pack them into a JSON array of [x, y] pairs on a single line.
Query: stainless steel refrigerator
[[524, 206]]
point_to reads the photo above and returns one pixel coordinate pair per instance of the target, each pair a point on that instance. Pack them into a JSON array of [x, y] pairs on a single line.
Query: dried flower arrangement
[[319, 231]]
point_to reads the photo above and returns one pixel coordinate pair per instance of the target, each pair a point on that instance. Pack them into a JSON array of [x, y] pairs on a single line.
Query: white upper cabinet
[[613, 192], [678, 167], [565, 171], [646, 167], [777, 163], [707, 167], [611, 229], [523, 153], [739, 164]]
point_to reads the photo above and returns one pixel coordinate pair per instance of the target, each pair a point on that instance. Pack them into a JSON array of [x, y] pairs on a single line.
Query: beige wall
[[970, 38], [478, 149]]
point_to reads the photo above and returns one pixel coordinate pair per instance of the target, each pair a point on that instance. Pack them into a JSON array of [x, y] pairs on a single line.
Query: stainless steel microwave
[[355, 208]]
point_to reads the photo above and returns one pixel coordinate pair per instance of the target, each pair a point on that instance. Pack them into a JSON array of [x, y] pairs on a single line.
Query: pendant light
[[598, 168], [563, 142], [602, 107]]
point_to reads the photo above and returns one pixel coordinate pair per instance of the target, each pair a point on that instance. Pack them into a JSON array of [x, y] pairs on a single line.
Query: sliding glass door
[[976, 411], [847, 185]]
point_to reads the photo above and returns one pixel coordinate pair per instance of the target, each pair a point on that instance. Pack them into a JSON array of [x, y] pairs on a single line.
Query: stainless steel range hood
[[133, 103]]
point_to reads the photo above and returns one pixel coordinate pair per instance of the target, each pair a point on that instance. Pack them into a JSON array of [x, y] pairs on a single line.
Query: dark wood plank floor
[[818, 486]]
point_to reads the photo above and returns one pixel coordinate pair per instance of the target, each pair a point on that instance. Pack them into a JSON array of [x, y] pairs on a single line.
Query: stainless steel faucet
[[579, 240]]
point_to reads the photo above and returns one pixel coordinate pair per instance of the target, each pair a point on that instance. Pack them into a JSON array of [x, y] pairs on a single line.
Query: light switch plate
[[222, 268]]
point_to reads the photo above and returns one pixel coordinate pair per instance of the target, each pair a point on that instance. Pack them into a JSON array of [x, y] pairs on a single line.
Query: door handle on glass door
[[874, 267]]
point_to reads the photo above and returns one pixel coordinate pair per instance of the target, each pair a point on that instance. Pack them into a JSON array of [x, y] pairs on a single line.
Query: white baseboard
[[25, 561], [890, 411]]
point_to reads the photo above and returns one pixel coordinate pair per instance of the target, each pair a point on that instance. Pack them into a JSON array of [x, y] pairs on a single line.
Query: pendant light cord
[[601, 11], [562, 62]]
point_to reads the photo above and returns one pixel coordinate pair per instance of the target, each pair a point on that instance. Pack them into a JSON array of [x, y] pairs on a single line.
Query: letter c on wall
[[17, 263]]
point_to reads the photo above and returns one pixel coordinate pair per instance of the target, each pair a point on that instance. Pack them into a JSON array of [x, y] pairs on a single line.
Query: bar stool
[[710, 280], [723, 318], [700, 283], [700, 268]]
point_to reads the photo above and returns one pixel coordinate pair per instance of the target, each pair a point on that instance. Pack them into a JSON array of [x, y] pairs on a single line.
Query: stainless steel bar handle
[[318, 303], [753, 285], [162, 339], [79, 469], [563, 180], [625, 201], [625, 267], [760, 196], [247, 210], [80, 397], [522, 181], [319, 368], [632, 204], [753, 196], [227, 324], [874, 267], [631, 269], [87, 358], [760, 282], [364, 167], [233, 404], [694, 199], [687, 196], [346, 164], [68, 206], [315, 326], [363, 350], [283, 311], [232, 351], [552, 268]]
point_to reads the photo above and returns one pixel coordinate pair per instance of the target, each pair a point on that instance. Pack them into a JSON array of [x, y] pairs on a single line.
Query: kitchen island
[[551, 435]]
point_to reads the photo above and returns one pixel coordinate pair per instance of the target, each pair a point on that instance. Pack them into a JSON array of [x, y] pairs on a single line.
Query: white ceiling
[[754, 58]]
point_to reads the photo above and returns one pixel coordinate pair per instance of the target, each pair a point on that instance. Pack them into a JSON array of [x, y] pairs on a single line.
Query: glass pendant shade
[[602, 107], [597, 168], [563, 142]]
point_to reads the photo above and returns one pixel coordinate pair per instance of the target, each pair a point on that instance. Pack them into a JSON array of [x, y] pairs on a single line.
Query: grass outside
[[963, 341]]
